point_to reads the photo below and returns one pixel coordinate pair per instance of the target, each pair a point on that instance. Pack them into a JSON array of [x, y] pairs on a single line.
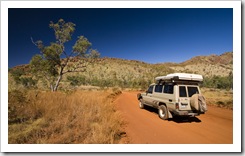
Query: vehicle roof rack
[[180, 78]]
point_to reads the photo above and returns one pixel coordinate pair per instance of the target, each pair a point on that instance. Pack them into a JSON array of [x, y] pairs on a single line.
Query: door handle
[[170, 100]]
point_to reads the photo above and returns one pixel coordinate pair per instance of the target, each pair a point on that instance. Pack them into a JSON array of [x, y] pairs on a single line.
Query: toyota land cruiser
[[175, 94]]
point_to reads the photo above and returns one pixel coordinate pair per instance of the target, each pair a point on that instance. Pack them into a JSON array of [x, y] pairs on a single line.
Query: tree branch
[[33, 41]]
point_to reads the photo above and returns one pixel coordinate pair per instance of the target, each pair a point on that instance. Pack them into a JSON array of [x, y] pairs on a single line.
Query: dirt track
[[143, 126]]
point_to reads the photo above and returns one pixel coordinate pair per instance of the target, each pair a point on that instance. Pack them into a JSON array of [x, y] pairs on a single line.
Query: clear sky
[[144, 34]]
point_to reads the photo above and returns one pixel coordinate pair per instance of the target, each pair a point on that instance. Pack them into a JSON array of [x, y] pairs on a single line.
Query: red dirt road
[[143, 126]]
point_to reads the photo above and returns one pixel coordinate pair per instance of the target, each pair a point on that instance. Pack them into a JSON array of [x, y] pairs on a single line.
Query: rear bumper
[[185, 113]]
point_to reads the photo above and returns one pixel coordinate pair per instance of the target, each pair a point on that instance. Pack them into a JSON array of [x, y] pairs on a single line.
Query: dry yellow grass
[[217, 97], [67, 118]]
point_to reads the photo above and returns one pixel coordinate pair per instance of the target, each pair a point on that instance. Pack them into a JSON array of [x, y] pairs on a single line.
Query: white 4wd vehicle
[[175, 94]]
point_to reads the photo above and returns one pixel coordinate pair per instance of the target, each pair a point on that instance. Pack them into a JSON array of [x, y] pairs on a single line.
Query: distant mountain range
[[219, 65]]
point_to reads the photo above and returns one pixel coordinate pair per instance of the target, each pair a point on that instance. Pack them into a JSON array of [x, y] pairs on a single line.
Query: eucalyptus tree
[[54, 60]]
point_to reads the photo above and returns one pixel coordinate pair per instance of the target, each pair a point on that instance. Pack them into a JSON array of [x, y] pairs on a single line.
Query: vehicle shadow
[[177, 119]]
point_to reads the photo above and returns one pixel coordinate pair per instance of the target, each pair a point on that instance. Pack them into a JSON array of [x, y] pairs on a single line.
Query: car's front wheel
[[141, 105], [163, 112]]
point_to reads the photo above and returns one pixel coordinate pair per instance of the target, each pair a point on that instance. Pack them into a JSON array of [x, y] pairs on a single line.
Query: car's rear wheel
[[141, 105], [163, 112]]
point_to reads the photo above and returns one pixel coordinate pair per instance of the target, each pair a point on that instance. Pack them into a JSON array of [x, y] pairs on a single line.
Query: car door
[[148, 98], [184, 100], [157, 95]]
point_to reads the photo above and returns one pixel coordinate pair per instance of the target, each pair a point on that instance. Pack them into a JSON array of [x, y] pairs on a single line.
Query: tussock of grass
[[79, 117]]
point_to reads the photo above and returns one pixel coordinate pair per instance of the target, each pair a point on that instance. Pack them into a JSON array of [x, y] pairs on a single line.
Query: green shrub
[[28, 82], [218, 82], [76, 80], [16, 74]]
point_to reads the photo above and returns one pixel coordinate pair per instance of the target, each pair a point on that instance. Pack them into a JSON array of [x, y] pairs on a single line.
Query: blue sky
[[144, 34]]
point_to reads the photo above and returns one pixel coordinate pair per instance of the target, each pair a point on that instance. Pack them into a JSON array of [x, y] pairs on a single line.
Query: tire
[[141, 105], [163, 112]]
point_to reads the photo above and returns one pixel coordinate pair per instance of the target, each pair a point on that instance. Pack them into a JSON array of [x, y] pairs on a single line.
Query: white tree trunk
[[51, 87], [57, 83]]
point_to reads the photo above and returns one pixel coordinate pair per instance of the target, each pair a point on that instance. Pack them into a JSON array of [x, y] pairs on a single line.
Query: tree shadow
[[177, 119]]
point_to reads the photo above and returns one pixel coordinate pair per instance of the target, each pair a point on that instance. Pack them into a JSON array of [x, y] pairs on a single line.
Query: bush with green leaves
[[218, 82], [76, 80], [20, 78]]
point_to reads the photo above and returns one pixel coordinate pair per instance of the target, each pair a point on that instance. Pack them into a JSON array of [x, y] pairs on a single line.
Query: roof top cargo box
[[180, 77]]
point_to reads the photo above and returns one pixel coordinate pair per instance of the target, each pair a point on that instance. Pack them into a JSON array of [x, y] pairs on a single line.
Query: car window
[[169, 89], [192, 90], [150, 89], [182, 91], [158, 88]]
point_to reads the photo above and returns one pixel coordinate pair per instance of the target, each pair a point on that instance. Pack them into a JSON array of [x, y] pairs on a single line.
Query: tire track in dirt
[[143, 126]]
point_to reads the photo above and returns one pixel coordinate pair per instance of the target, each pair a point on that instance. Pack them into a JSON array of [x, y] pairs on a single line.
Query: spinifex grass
[[57, 117]]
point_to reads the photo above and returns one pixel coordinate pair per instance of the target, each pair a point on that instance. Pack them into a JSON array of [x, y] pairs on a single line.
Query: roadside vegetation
[[219, 82], [63, 117], [218, 97]]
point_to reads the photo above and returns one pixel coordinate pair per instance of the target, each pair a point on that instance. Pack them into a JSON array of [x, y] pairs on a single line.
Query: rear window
[[182, 91], [192, 90]]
